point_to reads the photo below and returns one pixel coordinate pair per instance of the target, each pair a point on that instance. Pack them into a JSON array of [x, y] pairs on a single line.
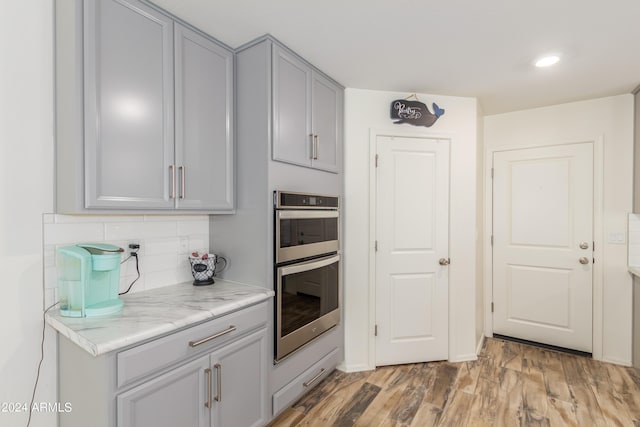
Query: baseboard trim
[[357, 367], [480, 344], [464, 358]]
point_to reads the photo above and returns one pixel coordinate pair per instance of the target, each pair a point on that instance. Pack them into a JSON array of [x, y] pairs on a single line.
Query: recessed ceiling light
[[547, 61]]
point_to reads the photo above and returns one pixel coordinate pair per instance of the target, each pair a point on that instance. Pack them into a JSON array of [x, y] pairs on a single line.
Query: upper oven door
[[301, 234]]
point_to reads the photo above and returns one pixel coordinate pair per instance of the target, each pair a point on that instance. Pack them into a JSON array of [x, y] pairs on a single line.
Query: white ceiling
[[476, 48]]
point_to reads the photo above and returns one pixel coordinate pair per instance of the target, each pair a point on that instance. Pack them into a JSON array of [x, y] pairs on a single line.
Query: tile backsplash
[[165, 244]]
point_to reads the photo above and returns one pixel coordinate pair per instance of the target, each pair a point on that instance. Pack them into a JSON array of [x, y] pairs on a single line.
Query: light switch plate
[[616, 237]]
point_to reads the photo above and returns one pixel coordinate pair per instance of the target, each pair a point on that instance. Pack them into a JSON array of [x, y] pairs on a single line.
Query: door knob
[[584, 245], [584, 260], [444, 261]]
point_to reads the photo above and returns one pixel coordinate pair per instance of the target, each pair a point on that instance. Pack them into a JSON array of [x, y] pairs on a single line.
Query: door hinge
[[492, 307], [375, 331], [376, 246], [491, 172], [376, 160]]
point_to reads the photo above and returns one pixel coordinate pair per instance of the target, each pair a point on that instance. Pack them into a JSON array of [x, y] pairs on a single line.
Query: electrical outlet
[[133, 247], [184, 245]]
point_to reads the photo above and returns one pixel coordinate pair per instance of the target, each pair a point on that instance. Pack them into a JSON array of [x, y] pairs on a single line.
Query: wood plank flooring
[[511, 384]]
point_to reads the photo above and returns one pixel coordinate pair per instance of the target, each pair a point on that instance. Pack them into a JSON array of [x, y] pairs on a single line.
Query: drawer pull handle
[[173, 181], [212, 337], [182, 183], [218, 367], [208, 403], [314, 379]]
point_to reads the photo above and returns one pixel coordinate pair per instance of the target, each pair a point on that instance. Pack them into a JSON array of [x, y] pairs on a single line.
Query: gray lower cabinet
[[238, 383], [143, 111], [209, 375], [221, 389], [173, 399], [307, 113]]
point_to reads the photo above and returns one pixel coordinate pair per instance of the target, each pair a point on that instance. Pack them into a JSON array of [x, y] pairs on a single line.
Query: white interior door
[[543, 244], [412, 232]]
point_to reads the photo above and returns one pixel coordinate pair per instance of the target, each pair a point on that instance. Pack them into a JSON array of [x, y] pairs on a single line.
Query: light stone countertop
[[156, 312]]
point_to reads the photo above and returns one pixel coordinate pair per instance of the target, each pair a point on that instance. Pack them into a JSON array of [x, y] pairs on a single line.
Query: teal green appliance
[[89, 280]]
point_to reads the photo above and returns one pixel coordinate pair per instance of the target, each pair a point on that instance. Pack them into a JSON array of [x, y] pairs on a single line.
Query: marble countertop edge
[[154, 313]]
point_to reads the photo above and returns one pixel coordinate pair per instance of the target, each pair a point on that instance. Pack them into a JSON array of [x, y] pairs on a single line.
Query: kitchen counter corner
[[150, 314], [634, 270]]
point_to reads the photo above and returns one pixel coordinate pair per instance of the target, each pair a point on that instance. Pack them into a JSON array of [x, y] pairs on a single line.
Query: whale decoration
[[415, 113]]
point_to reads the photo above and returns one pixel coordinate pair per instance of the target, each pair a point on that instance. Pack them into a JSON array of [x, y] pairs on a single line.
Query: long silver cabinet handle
[[212, 337], [314, 379], [182, 184], [313, 145], [218, 367], [208, 373], [316, 145], [173, 181]]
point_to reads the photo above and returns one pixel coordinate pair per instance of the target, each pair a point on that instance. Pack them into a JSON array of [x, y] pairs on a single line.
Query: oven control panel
[[289, 200]]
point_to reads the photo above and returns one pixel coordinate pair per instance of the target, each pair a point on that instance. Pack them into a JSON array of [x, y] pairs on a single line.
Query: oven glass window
[[307, 296], [297, 232]]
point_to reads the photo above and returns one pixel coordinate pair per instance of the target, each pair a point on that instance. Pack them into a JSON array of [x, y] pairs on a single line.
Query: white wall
[[611, 119], [366, 110], [26, 191]]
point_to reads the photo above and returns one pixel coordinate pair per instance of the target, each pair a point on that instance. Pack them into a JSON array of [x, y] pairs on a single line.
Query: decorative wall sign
[[414, 112]]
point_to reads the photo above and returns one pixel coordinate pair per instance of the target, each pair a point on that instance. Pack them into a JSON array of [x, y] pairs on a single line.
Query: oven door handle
[[308, 265], [294, 214]]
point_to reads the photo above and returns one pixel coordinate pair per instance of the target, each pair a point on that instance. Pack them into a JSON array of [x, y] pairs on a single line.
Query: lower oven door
[[307, 302]]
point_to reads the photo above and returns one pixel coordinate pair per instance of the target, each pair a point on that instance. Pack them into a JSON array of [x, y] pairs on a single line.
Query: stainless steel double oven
[[307, 268]]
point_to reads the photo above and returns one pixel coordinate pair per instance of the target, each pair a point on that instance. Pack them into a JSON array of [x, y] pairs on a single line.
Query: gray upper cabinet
[[144, 111], [204, 127], [291, 107], [307, 114], [128, 87], [327, 119]]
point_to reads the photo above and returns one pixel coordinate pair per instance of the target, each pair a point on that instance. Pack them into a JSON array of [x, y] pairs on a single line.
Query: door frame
[[598, 233], [373, 137]]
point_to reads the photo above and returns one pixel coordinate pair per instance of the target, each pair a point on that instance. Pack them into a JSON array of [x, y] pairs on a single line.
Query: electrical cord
[[133, 254], [35, 386]]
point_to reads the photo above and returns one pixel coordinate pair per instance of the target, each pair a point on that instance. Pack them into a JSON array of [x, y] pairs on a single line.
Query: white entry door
[[412, 233], [543, 244]]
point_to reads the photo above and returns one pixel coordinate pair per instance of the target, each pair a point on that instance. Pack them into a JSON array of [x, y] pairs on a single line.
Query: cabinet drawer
[[304, 382], [143, 360]]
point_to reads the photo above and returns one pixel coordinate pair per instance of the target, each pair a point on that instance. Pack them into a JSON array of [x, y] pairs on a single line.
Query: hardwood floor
[[510, 384]]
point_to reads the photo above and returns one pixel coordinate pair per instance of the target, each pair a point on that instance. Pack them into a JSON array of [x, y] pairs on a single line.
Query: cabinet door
[[326, 120], [240, 379], [176, 398], [128, 89], [204, 125], [292, 138]]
